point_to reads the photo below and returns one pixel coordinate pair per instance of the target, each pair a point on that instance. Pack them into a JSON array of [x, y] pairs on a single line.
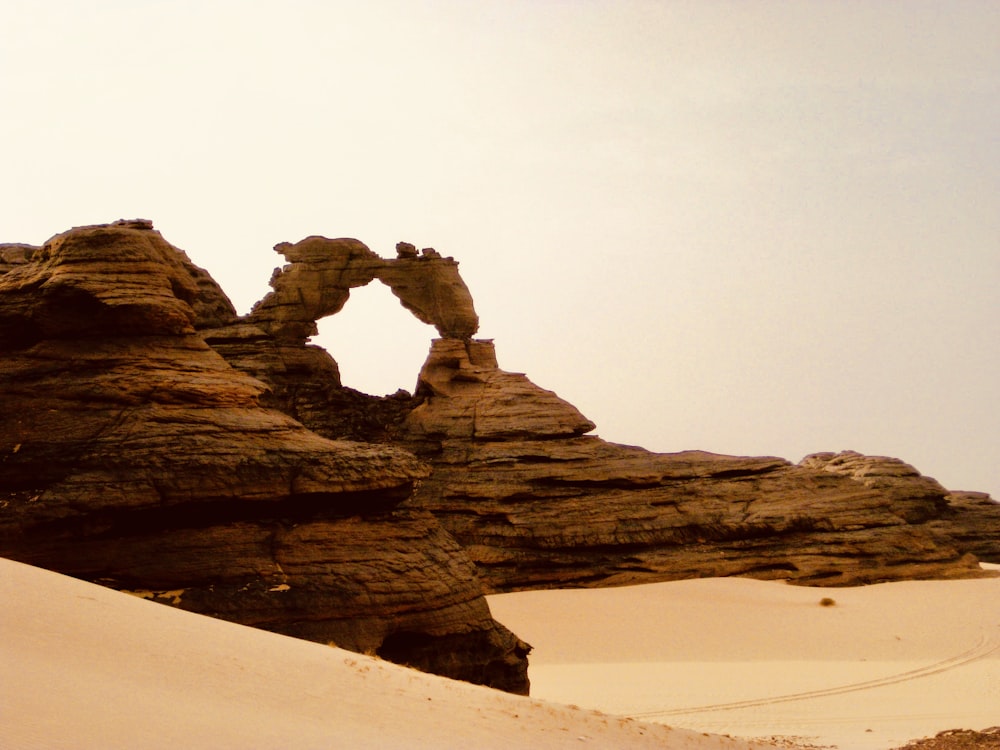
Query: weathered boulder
[[133, 454]]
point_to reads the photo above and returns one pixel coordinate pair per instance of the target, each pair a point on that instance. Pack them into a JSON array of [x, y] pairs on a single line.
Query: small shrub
[[826, 602]]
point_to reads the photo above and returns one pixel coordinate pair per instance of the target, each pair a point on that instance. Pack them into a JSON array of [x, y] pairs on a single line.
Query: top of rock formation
[[321, 272], [70, 288], [107, 384]]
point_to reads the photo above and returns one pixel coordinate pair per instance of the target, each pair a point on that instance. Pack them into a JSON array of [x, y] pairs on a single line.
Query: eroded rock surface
[[134, 455], [320, 273], [462, 394], [534, 512], [971, 520], [537, 502], [153, 440]]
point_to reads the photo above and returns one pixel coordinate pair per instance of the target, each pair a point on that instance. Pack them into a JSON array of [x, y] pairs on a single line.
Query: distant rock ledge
[[153, 440]]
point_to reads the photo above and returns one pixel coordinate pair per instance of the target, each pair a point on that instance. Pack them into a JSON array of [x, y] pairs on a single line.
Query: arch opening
[[378, 344]]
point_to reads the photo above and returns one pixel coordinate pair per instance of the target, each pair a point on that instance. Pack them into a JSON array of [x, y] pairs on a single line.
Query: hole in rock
[[378, 344]]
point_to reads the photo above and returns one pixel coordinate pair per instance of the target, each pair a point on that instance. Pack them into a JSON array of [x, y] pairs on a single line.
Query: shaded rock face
[[133, 454], [971, 519]]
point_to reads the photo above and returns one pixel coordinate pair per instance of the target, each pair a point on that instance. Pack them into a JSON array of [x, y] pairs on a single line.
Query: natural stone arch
[[320, 273]]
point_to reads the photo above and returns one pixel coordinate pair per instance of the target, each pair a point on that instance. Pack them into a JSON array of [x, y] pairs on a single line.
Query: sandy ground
[[85, 667], [882, 665]]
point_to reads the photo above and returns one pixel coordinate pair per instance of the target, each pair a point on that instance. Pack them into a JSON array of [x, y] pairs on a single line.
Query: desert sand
[[88, 667], [881, 665]]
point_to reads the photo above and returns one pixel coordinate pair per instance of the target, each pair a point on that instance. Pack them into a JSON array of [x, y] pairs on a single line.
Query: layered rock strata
[[271, 343], [153, 440], [537, 502], [971, 519], [546, 509], [133, 454], [320, 273]]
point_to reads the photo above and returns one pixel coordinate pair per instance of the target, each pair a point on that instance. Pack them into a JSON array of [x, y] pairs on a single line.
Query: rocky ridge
[[538, 502], [155, 441]]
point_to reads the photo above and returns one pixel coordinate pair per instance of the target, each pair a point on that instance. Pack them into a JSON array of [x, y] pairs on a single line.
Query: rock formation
[[153, 440], [132, 454], [537, 502], [580, 512], [321, 272], [971, 520]]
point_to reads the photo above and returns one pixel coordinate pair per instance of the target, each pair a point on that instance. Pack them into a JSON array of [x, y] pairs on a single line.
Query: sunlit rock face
[[463, 394], [538, 503], [134, 455], [582, 512]]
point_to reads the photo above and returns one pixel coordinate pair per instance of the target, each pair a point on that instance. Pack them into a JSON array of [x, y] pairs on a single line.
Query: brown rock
[[315, 283], [538, 503], [972, 519], [406, 250], [133, 454], [64, 290], [464, 394], [153, 440], [958, 739], [321, 272], [430, 287], [582, 512]]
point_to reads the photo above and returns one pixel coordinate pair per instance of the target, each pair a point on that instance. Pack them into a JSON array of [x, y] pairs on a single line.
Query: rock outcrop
[[971, 520], [132, 454], [537, 502], [153, 440], [321, 272], [583, 512]]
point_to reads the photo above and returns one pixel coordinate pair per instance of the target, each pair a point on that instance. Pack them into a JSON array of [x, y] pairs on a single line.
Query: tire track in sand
[[987, 644]]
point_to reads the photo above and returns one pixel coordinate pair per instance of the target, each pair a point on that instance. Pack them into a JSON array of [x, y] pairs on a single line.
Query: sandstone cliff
[[154, 441]]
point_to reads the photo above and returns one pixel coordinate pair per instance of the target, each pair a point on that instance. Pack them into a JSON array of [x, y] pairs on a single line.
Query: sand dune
[[884, 664], [87, 667]]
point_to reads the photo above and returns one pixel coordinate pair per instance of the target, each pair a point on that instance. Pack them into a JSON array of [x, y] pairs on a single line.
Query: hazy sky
[[765, 228]]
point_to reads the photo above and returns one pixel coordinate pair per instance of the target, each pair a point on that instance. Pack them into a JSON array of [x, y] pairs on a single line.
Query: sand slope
[[885, 664], [86, 667]]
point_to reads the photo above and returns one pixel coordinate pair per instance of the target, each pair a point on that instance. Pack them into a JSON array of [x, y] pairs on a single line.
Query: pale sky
[[757, 228]]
